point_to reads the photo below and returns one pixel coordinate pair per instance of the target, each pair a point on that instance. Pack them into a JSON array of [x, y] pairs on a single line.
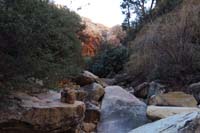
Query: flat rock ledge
[[41, 113], [160, 112]]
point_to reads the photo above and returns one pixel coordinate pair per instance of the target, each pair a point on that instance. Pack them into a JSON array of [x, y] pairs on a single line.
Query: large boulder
[[87, 78], [121, 111], [160, 112], [173, 99], [41, 113], [181, 123]]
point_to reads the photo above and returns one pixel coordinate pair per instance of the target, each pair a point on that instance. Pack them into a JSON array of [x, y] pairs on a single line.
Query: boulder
[[173, 99], [41, 113], [87, 78], [181, 123], [95, 91], [194, 89], [120, 111], [160, 112], [141, 90]]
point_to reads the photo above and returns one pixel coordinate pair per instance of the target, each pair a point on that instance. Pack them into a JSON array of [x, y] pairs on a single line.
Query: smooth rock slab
[[179, 99], [182, 123], [121, 111], [160, 112]]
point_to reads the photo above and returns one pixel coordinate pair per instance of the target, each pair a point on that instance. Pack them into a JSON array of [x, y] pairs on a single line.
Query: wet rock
[[160, 112], [181, 123], [41, 113], [68, 96], [173, 99], [120, 111]]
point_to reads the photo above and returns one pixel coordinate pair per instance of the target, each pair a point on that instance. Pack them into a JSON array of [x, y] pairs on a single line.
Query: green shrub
[[38, 40], [109, 61]]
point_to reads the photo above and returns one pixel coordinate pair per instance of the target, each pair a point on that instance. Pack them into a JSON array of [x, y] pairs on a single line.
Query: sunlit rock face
[[94, 35]]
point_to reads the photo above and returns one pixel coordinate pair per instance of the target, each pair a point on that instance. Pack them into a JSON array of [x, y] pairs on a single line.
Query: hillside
[[168, 48]]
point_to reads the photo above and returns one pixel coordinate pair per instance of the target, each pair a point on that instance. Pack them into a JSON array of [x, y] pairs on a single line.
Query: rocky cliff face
[[92, 36], [96, 34]]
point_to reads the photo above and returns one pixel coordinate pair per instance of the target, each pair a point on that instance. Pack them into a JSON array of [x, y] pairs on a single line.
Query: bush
[[168, 48], [38, 40], [109, 61]]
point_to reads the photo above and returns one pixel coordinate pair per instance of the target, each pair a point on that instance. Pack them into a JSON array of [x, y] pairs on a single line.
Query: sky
[[106, 12]]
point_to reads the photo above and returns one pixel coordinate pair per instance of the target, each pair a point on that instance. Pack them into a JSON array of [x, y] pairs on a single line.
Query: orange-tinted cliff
[[96, 34], [92, 36]]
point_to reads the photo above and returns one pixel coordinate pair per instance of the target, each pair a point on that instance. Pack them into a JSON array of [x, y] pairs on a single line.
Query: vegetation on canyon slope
[[38, 39], [167, 48]]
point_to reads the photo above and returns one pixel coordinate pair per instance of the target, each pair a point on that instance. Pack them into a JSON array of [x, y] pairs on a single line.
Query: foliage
[[38, 39], [164, 6], [139, 12], [109, 60], [168, 48]]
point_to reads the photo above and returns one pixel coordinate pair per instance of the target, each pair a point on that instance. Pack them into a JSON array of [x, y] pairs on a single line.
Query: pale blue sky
[[106, 12]]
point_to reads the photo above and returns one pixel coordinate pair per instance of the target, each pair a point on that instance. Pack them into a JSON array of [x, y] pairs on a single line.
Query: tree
[[110, 60], [139, 12], [139, 8], [164, 6]]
